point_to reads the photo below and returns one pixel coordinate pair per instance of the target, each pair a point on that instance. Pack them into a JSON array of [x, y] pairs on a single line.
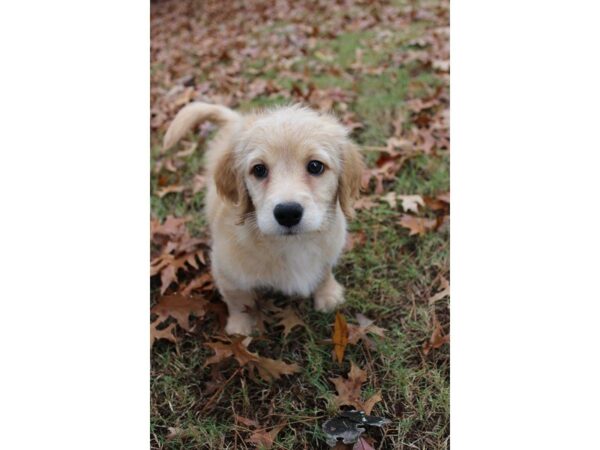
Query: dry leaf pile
[[196, 56], [174, 250]]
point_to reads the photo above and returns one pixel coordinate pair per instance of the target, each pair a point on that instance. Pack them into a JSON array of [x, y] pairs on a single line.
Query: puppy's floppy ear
[[349, 184], [230, 183], [226, 177]]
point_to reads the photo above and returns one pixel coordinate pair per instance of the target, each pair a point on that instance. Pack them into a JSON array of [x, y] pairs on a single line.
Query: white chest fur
[[294, 265]]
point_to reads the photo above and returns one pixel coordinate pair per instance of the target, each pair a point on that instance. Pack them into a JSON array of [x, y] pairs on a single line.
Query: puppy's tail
[[193, 114]]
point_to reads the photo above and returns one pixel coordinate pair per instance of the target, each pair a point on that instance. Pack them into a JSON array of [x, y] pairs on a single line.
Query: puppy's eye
[[260, 171], [315, 167]]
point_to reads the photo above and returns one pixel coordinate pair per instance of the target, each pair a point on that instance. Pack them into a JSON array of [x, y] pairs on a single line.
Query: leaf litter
[[186, 44]]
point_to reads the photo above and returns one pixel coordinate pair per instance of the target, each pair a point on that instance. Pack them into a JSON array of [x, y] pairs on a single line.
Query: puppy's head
[[290, 167]]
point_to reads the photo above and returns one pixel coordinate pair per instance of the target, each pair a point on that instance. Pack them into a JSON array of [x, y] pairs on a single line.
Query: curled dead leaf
[[340, 336]]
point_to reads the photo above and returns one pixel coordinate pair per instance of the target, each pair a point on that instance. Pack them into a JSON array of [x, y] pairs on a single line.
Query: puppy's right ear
[[230, 183]]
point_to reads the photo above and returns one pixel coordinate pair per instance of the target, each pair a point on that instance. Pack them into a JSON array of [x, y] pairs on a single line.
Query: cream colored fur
[[250, 248]]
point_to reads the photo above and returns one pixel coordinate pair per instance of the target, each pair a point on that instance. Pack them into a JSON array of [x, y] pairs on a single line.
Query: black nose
[[288, 214]]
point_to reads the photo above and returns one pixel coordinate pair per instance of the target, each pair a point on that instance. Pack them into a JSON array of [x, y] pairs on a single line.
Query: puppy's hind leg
[[238, 302], [329, 294]]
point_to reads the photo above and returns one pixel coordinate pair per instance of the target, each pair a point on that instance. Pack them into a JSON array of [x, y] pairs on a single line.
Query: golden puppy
[[280, 185]]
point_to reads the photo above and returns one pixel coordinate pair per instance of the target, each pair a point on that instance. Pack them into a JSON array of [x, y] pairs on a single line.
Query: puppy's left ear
[[349, 184]]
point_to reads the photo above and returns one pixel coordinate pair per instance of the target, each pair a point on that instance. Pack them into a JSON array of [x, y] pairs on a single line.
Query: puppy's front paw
[[329, 296], [239, 323]]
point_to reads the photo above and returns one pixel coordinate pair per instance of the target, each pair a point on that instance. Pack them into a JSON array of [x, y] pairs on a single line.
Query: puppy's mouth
[[296, 230]]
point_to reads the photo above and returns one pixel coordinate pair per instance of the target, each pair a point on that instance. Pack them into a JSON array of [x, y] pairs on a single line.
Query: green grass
[[389, 279]]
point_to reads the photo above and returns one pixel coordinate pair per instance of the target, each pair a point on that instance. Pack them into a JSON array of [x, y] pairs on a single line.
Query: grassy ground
[[389, 278]]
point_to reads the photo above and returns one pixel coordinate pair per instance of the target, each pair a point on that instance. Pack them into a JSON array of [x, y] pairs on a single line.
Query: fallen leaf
[[172, 226], [245, 421], [265, 438], [289, 320], [365, 202], [273, 369], [411, 202], [440, 203], [340, 336], [173, 250], [236, 347], [371, 401], [437, 339], [166, 333], [417, 225], [390, 198], [169, 190], [348, 389], [444, 292], [261, 313], [359, 332], [204, 282], [180, 308]]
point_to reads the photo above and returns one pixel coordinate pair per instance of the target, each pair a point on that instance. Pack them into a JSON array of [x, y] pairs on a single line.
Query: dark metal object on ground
[[349, 425]]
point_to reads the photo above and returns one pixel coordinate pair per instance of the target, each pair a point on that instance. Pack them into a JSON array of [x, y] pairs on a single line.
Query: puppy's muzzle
[[288, 214]]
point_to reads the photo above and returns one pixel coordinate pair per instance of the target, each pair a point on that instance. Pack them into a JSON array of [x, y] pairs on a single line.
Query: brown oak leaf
[[180, 308], [289, 320], [273, 369], [417, 225], [349, 390], [166, 333], [235, 346]]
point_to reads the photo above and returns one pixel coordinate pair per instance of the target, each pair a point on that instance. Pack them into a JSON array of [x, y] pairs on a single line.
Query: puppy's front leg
[[329, 294], [238, 301]]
